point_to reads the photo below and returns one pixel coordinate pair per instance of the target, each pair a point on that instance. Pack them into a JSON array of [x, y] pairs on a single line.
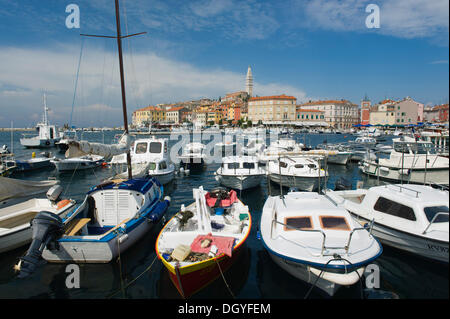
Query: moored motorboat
[[112, 217], [240, 172], [204, 239], [412, 218], [15, 216], [311, 238], [78, 163], [302, 172]]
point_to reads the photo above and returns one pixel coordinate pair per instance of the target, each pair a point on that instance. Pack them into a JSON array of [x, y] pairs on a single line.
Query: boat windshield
[[430, 212], [141, 148], [248, 165], [233, 165], [155, 147], [422, 148]]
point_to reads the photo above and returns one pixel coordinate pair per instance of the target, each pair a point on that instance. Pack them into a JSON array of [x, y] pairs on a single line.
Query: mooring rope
[[223, 277]]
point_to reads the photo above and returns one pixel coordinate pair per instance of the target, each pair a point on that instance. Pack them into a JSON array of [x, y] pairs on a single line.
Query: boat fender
[[54, 192], [62, 203], [123, 238]]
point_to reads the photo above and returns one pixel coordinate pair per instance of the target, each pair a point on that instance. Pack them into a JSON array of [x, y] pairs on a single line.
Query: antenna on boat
[[119, 38]]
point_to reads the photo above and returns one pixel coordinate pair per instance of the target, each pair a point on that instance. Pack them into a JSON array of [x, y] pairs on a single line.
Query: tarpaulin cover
[[224, 244]]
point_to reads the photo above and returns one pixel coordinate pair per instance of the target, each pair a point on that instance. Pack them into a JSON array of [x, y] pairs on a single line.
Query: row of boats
[[324, 238]]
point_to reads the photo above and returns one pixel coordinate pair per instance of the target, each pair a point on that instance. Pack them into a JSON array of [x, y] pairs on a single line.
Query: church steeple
[[249, 82]]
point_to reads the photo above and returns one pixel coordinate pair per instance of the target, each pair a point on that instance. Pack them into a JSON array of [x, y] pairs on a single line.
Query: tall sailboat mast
[[122, 85], [122, 79]]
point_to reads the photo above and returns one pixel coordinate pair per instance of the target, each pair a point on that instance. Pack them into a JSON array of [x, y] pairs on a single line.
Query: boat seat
[[75, 226]]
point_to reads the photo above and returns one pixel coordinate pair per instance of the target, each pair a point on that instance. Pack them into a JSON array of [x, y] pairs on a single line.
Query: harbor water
[[139, 274]]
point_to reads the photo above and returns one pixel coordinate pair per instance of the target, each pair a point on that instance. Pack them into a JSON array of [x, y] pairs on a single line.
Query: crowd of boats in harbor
[[321, 236]]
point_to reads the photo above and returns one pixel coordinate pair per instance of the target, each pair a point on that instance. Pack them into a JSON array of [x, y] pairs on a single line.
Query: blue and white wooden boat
[[314, 240], [112, 217]]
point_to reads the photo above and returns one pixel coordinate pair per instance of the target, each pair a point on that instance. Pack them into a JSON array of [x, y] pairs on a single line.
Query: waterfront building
[[147, 115], [174, 114], [339, 114], [272, 108]]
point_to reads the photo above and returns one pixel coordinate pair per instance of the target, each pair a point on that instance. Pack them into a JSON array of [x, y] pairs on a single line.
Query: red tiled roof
[[308, 110], [325, 102], [149, 108], [273, 97]]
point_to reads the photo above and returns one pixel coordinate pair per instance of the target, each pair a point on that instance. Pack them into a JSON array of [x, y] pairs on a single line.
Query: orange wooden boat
[[201, 242]]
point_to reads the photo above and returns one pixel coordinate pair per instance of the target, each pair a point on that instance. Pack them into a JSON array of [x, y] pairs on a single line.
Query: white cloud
[[399, 18], [152, 80]]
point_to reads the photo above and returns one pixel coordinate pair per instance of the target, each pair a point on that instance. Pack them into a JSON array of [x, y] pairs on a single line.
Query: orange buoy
[[104, 164], [62, 203]]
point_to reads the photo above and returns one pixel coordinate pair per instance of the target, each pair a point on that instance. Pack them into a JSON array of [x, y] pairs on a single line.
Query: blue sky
[[313, 49]]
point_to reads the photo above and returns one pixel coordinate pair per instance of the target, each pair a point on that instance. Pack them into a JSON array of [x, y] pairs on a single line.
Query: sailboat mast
[[122, 85]]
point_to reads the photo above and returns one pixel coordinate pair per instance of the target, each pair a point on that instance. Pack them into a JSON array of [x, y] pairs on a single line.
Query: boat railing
[[347, 247], [437, 186], [432, 220], [401, 187]]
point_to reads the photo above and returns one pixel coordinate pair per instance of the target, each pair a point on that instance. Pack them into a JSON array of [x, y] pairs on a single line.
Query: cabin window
[[401, 148], [334, 222], [387, 206], [152, 166], [233, 165], [299, 166], [141, 148], [303, 222], [248, 165], [155, 147], [162, 165], [283, 164], [430, 212], [312, 165]]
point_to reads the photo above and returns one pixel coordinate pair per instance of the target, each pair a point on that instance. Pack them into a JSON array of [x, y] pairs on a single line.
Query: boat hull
[[240, 182], [327, 281], [21, 235], [38, 143], [64, 166], [300, 182], [33, 164], [164, 178], [421, 246], [419, 176], [197, 276]]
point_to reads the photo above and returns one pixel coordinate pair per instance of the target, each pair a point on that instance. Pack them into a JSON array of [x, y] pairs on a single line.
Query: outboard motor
[[54, 192], [46, 228], [342, 184]]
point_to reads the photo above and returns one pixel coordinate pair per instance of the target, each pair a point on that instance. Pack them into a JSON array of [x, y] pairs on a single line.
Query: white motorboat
[[47, 134], [412, 161], [280, 147], [335, 154], [193, 155], [204, 239], [240, 172], [413, 218], [311, 238], [301, 172], [78, 163], [149, 156], [17, 213]]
